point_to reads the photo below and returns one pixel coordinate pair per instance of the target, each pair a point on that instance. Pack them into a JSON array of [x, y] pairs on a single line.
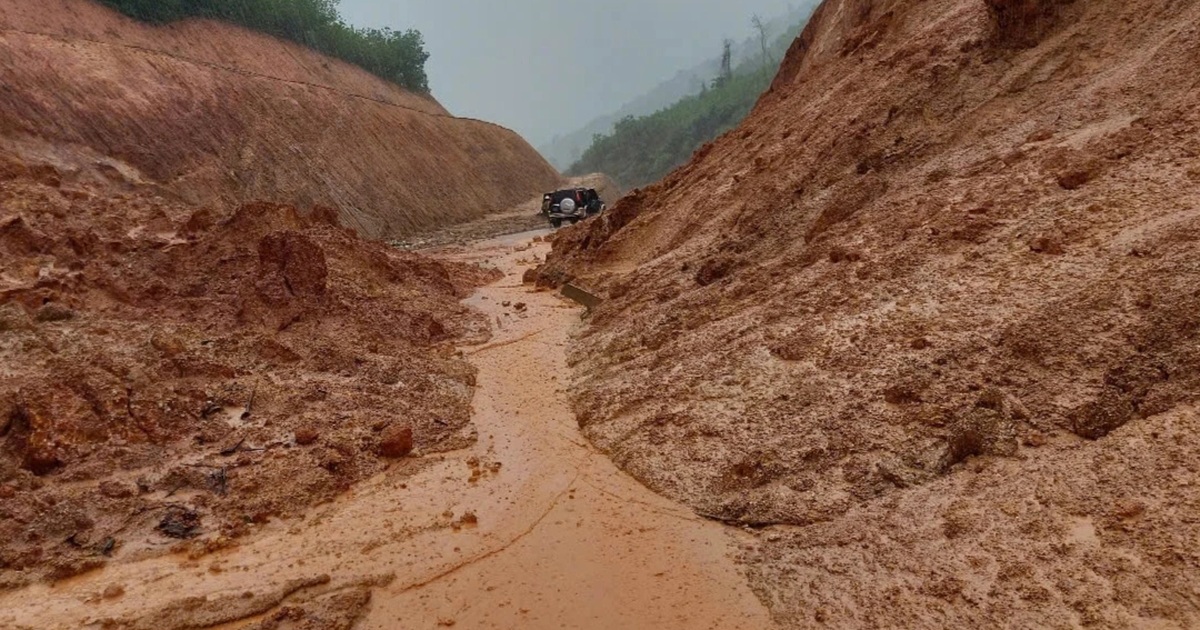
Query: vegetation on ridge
[[642, 150], [397, 56]]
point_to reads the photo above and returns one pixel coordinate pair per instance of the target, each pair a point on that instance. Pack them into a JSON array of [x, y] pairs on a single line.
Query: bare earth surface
[[929, 318], [529, 527], [221, 115]]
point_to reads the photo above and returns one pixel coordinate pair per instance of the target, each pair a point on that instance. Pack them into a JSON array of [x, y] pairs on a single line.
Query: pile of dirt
[[220, 114], [174, 376], [931, 316]]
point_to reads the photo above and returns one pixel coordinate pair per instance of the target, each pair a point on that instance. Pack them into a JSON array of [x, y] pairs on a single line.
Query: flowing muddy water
[[530, 528]]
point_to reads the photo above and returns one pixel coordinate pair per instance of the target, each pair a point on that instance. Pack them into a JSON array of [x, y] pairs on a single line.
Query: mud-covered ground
[[527, 527], [930, 317], [174, 377]]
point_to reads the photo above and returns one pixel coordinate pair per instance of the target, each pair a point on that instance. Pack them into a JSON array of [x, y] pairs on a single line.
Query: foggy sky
[[546, 67]]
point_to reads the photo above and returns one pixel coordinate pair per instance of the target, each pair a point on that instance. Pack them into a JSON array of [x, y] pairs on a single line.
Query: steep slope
[[931, 316], [219, 114]]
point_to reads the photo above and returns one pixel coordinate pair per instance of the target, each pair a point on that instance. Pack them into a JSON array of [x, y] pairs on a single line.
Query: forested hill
[[397, 56], [642, 149]]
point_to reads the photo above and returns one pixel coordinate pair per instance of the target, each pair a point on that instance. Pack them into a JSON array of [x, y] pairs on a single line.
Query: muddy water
[[530, 528]]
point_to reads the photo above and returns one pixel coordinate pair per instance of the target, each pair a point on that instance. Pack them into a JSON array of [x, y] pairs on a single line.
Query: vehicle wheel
[[556, 223]]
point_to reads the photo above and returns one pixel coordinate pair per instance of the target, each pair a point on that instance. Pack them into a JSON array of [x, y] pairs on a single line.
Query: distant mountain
[[565, 150]]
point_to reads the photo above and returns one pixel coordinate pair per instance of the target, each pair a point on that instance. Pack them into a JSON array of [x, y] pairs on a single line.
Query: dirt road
[[530, 528]]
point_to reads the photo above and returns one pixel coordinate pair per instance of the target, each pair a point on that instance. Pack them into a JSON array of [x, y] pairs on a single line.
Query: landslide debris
[[173, 375], [930, 316]]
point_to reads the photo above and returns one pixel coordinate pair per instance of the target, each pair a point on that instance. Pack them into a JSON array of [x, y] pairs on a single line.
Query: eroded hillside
[[218, 114], [930, 317]]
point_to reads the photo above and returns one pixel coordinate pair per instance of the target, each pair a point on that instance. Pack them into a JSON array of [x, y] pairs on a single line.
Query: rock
[[41, 459], [113, 591], [1047, 245], [169, 345], [1035, 440], [14, 317], [116, 490], [306, 436], [520, 307], [7, 492], [1024, 22], [396, 442], [1074, 180], [839, 254], [716, 268], [54, 313], [200, 221], [297, 261], [530, 276], [180, 523], [1109, 412]]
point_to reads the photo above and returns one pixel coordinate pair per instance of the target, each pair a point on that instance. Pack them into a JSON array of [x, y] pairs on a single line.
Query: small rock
[[14, 317], [54, 313], [306, 436], [469, 518], [1046, 245], [113, 591], [180, 523], [1074, 180], [839, 254], [1130, 509], [1035, 440], [116, 490], [7, 492], [396, 442], [41, 460], [520, 306], [169, 345]]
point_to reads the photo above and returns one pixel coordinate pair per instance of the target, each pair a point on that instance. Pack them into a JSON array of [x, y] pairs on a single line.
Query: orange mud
[[529, 528]]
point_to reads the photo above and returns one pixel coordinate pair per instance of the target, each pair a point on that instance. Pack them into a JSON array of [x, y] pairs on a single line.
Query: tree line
[[397, 56], [642, 150]]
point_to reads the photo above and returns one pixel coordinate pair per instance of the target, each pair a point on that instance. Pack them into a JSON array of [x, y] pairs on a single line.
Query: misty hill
[[565, 150], [643, 149]]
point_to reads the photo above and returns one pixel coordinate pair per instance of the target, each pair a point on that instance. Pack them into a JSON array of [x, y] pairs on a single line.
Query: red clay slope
[[217, 113], [934, 309]]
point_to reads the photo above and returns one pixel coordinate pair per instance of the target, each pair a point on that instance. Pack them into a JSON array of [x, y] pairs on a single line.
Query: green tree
[[643, 150], [397, 56]]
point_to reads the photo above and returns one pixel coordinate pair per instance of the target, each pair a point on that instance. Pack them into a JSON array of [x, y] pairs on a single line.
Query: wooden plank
[[582, 296]]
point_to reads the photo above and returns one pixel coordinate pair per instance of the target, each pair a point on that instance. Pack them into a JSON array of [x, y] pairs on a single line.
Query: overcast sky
[[546, 67]]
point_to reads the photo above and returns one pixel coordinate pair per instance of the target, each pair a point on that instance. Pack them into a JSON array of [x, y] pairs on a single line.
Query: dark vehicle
[[571, 205]]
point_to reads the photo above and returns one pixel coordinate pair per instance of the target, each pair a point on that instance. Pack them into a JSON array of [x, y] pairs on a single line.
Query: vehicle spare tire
[[567, 206]]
